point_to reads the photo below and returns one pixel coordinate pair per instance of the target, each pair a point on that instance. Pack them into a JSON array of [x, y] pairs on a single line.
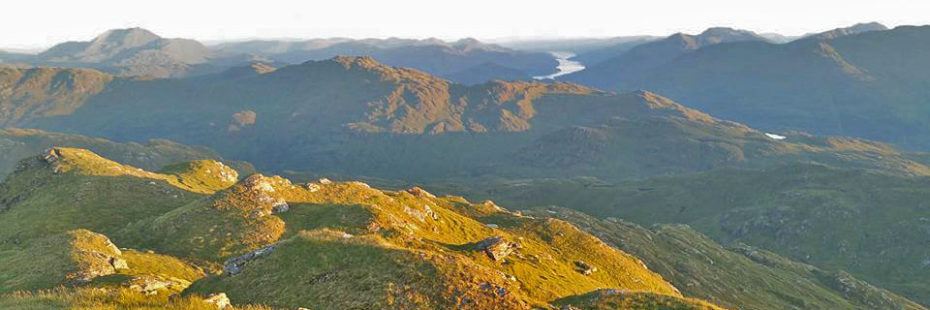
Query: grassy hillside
[[65, 189], [21, 143], [42, 92], [266, 240], [737, 277], [868, 224]]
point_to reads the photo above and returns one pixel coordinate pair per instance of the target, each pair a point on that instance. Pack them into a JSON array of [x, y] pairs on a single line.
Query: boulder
[[234, 265], [584, 268], [280, 207], [496, 247], [220, 300], [118, 263]]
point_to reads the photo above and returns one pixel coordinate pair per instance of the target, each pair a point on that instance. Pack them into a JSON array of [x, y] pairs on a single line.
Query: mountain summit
[[131, 52]]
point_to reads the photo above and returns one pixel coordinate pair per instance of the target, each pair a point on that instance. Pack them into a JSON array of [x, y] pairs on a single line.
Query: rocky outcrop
[[234, 265], [419, 192], [584, 268], [152, 285], [496, 247], [220, 300]]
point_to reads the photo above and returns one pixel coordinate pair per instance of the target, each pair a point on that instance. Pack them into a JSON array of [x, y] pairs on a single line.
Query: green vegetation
[[319, 245], [871, 85], [868, 224], [740, 277], [613, 299], [21, 143], [355, 116], [91, 298]]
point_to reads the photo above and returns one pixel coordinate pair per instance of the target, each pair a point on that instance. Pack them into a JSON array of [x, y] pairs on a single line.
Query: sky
[[34, 24]]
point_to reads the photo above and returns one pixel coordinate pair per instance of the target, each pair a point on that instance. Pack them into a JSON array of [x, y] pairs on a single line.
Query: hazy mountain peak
[[127, 36], [851, 30], [360, 61]]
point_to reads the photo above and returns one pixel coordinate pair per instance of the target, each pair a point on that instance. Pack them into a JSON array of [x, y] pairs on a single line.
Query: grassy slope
[[383, 249], [21, 143], [421, 231], [91, 192], [739, 277], [868, 224]]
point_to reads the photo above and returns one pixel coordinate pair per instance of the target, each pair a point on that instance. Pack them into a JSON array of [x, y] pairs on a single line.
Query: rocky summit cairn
[[496, 247]]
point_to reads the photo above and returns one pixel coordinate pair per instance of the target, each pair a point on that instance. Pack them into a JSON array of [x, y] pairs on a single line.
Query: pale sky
[[41, 23]]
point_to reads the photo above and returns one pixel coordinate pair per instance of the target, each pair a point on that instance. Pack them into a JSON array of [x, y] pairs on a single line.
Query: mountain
[[867, 224], [600, 54], [574, 45], [485, 72], [779, 38], [447, 59], [870, 84], [851, 30], [355, 116], [41, 92], [12, 57], [21, 143], [642, 59], [197, 230], [738, 276], [133, 52], [196, 234]]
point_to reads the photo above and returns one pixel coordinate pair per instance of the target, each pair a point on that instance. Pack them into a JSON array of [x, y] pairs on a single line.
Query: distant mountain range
[[140, 53], [859, 81], [786, 207], [356, 116]]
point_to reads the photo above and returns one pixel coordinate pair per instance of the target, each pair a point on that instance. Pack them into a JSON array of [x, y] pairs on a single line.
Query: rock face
[[496, 247], [234, 265]]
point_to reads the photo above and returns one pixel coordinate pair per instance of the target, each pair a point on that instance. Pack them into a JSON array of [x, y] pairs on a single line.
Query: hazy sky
[[40, 23]]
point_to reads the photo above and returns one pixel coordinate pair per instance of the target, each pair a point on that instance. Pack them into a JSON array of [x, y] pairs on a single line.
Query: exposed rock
[[280, 207], [584, 268], [96, 264], [496, 248], [219, 300], [53, 157], [258, 182], [492, 225], [419, 192], [426, 213], [324, 181], [258, 213], [234, 265], [151, 285], [494, 288], [118, 263], [313, 187]]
